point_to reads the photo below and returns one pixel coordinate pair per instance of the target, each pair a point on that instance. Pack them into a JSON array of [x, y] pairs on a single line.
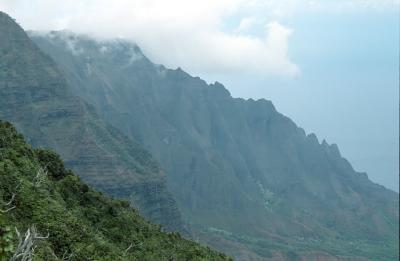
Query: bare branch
[[46, 237], [41, 175], [6, 210], [65, 257], [8, 204], [130, 246], [27, 244], [11, 200]]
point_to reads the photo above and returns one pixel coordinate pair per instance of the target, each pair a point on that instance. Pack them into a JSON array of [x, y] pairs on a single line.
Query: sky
[[330, 65]]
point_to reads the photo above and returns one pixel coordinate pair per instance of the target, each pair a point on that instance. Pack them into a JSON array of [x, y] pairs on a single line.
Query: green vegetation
[[67, 219], [268, 196]]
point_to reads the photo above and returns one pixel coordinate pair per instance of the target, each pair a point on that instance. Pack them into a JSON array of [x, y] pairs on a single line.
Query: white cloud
[[176, 33], [187, 33], [246, 23]]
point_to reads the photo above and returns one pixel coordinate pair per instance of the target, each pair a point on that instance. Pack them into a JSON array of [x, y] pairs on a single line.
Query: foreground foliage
[[67, 220]]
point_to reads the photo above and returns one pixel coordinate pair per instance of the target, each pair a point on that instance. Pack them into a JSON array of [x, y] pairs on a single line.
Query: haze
[[332, 66]]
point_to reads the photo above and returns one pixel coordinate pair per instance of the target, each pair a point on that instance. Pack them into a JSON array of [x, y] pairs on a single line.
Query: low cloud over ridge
[[188, 33], [175, 33]]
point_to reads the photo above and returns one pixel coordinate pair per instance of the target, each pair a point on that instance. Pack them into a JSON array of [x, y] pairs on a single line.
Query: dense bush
[[52, 162], [81, 223]]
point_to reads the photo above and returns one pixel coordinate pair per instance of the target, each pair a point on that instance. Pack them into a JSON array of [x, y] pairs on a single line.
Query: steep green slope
[[36, 98], [76, 221], [240, 171]]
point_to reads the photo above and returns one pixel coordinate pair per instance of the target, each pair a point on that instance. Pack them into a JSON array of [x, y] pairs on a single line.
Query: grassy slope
[[79, 220]]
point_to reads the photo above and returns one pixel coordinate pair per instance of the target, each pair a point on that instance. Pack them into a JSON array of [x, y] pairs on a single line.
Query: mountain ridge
[[238, 168]]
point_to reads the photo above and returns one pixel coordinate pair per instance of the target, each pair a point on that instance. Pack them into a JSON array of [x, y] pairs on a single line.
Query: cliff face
[[240, 170], [36, 98]]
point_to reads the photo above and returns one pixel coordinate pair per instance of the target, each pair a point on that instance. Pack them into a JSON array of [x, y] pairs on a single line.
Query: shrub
[[52, 163]]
